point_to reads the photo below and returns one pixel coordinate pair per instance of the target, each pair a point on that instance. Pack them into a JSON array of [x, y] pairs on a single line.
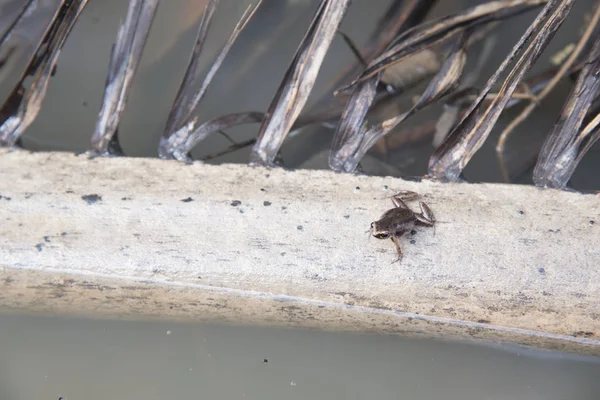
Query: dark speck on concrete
[[413, 241], [385, 187], [483, 321], [125, 198], [265, 361], [521, 212], [541, 270], [69, 192], [583, 333], [300, 227], [241, 211], [189, 199], [266, 203], [346, 216], [358, 188], [262, 190], [235, 203], [413, 232], [283, 207], [91, 198], [64, 234], [592, 222], [40, 246], [47, 239]]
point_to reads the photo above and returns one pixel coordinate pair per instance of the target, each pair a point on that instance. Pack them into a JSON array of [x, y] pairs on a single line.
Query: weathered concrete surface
[[150, 238]]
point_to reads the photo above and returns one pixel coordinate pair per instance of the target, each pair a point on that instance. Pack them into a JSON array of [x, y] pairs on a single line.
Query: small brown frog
[[396, 222]]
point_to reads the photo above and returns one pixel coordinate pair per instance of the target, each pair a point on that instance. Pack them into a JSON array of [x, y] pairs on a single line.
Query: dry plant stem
[[564, 69], [23, 105], [413, 70], [354, 48], [349, 133], [436, 31], [430, 128], [406, 74], [298, 81], [451, 111], [535, 83], [6, 30], [592, 130], [230, 149], [125, 59], [400, 16], [182, 149], [246, 17], [446, 80], [230, 120], [177, 143], [468, 136], [358, 141], [561, 152], [181, 109]]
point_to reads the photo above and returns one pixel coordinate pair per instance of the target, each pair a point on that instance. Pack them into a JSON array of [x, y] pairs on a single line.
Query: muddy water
[[50, 358]]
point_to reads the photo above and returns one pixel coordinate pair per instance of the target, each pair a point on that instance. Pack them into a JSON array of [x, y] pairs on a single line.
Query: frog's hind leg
[[399, 198], [398, 202], [426, 216], [403, 195], [398, 249]]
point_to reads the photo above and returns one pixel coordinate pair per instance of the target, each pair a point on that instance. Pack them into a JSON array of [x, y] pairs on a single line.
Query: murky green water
[[49, 358]]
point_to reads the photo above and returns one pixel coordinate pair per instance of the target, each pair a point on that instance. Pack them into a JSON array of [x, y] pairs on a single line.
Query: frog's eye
[[372, 225], [382, 236]]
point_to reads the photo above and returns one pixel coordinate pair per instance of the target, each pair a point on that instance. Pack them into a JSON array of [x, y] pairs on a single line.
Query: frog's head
[[379, 231]]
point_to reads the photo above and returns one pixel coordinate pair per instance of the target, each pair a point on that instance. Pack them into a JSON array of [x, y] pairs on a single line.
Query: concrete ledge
[[146, 238]]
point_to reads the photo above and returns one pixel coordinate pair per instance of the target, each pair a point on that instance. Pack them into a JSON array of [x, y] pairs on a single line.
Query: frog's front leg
[[398, 248]]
